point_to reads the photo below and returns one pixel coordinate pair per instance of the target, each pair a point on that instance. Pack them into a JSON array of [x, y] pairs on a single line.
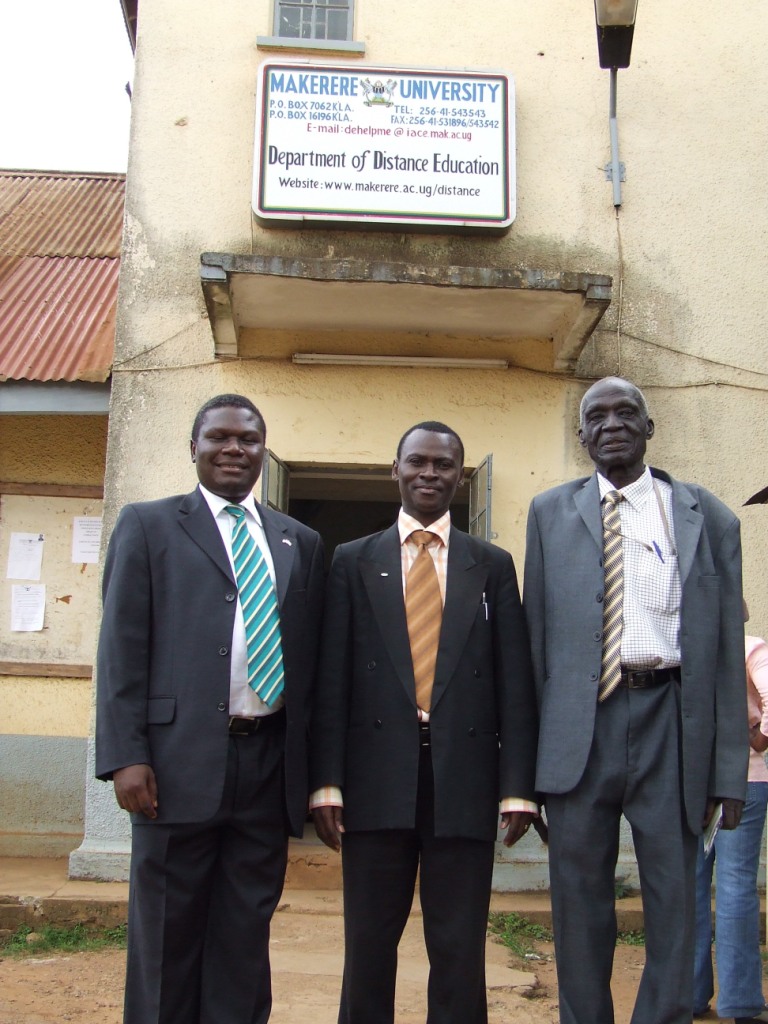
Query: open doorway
[[343, 502]]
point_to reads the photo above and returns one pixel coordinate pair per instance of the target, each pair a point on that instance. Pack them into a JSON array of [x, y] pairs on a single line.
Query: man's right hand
[[136, 789], [329, 825]]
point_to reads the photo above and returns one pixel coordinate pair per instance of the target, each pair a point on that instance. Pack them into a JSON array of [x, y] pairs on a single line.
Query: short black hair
[[224, 402], [435, 428]]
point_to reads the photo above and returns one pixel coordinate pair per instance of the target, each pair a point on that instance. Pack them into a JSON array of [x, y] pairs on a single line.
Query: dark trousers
[[380, 870], [202, 897], [634, 769]]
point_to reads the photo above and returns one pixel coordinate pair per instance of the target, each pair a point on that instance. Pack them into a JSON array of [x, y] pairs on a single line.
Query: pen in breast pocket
[[485, 607], [657, 549]]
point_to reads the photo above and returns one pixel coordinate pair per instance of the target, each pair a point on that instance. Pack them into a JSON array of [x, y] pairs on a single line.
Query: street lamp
[[615, 21]]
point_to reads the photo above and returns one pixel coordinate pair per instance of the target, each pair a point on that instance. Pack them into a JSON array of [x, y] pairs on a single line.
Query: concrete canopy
[[333, 303]]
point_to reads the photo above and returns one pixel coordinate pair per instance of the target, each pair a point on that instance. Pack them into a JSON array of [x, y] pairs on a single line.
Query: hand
[[516, 824], [731, 812], [757, 740], [136, 789], [329, 825]]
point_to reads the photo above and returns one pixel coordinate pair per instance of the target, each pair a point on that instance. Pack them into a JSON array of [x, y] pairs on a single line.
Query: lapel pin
[[288, 542], [385, 574]]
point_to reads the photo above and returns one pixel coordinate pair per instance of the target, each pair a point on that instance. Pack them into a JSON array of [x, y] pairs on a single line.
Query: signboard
[[384, 145]]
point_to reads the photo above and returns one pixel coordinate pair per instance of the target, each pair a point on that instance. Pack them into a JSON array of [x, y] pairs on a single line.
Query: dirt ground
[[86, 988]]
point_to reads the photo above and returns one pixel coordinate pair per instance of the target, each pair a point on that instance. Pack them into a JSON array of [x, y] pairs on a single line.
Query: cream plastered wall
[[687, 321], [66, 450], [62, 451]]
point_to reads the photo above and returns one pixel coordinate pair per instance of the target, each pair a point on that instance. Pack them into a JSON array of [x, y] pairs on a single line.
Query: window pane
[[290, 20], [314, 19], [337, 25]]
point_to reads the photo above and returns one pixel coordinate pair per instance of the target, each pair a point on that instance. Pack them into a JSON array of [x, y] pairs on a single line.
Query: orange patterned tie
[[424, 613]]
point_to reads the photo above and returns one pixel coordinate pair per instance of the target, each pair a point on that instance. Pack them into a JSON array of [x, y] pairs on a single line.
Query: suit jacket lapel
[[382, 577], [196, 519], [587, 502], [466, 581], [282, 545], [686, 526]]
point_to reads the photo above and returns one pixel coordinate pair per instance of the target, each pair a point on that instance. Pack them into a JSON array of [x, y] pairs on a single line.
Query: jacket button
[[599, 598], [371, 665], [471, 731], [221, 706], [223, 651], [597, 635], [378, 723], [230, 596], [477, 673]]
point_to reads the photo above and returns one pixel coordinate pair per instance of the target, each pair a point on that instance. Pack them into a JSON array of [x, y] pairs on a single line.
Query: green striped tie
[[613, 597], [266, 675]]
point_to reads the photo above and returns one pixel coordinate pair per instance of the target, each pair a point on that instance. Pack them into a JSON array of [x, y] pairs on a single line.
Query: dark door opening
[[344, 502]]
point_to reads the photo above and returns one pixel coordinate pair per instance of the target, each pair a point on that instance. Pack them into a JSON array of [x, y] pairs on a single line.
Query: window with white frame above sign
[[314, 19]]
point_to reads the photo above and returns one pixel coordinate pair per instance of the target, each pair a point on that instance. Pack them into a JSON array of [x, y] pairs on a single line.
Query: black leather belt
[[251, 726], [645, 678], [424, 735]]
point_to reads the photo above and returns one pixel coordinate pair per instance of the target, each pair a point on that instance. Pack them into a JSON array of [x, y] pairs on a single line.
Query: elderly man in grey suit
[[633, 599], [212, 607]]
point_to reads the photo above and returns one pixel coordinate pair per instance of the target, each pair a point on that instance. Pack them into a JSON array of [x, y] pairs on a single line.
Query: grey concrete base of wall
[[41, 795], [104, 854], [32, 844]]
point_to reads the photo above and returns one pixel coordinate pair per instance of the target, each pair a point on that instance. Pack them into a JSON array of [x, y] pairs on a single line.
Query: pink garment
[[757, 700]]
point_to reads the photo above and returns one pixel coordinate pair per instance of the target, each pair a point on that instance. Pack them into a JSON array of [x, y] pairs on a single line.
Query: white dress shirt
[[243, 702], [650, 635]]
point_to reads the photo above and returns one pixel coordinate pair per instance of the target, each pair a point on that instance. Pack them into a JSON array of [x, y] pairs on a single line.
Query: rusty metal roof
[[60, 238]]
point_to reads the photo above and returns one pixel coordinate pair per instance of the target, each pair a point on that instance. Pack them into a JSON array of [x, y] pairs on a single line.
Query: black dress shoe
[[762, 1016]]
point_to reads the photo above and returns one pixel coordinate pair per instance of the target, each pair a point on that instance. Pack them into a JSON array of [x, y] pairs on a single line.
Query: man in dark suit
[[638, 652], [415, 740], [205, 741]]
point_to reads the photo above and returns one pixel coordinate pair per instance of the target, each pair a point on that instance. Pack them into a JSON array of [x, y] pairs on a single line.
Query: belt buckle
[[249, 726], [632, 675]]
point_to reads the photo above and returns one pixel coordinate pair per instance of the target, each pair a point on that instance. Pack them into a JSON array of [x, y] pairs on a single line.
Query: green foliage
[[52, 939], [517, 933]]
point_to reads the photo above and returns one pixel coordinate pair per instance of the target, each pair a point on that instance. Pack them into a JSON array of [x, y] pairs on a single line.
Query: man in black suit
[[409, 778], [210, 763]]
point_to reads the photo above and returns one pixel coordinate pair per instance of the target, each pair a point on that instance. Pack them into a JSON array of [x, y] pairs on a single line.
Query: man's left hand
[[731, 812], [515, 824]]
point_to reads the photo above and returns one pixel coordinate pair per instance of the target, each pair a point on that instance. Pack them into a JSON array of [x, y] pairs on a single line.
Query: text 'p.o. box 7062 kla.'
[[384, 146]]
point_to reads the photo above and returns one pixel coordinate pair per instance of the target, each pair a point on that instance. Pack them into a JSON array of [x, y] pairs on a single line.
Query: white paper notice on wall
[[86, 538], [25, 556], [27, 607]]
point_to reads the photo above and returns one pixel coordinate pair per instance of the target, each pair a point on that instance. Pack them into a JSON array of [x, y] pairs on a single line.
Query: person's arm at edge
[[730, 748], [331, 709], [122, 670], [757, 670], [517, 712]]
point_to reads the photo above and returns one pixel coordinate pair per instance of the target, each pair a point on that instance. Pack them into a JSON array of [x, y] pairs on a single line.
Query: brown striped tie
[[613, 597], [424, 613]]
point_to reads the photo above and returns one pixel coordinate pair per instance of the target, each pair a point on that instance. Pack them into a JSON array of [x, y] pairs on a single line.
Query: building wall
[[687, 321], [46, 717]]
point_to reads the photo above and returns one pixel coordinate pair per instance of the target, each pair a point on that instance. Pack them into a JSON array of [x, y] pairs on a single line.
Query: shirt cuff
[[512, 805], [326, 796]]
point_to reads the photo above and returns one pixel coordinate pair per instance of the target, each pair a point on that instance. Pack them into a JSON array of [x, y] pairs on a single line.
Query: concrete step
[[38, 891]]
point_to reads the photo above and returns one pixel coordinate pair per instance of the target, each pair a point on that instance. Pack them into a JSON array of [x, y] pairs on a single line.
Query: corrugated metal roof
[[59, 260], [57, 319], [45, 213]]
